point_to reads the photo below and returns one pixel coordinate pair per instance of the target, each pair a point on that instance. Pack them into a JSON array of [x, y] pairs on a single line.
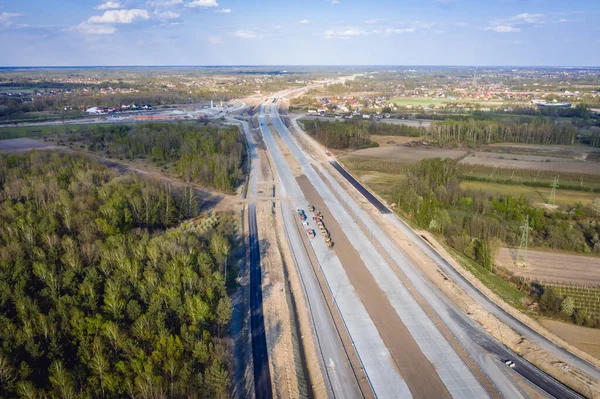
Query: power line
[[553, 192], [522, 254]]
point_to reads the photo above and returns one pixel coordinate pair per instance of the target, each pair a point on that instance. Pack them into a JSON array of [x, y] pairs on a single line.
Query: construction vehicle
[[301, 214], [311, 208]]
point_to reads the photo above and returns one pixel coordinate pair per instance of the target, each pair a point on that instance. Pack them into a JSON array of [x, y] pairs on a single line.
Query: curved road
[[461, 326]]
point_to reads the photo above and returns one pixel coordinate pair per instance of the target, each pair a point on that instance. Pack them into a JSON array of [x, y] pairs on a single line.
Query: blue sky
[[294, 32]]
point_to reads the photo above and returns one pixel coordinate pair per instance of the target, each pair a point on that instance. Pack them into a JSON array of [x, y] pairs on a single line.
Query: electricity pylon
[[553, 192], [522, 254]]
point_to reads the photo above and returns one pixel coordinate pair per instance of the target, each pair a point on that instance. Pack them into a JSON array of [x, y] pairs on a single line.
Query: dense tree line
[[356, 133], [207, 155], [339, 135], [96, 298], [473, 133]]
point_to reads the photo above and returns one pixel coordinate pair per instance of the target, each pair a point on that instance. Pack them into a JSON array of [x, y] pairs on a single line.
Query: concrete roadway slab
[[376, 359], [451, 369]]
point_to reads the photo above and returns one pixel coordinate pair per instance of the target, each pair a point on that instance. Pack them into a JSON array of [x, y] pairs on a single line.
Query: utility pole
[[553, 192], [522, 254]]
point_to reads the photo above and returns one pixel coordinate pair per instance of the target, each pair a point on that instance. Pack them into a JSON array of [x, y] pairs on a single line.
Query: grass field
[[37, 131], [534, 194], [503, 289], [536, 178]]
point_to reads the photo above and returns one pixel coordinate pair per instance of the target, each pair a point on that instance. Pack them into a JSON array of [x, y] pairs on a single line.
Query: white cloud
[[91, 29], [304, 22], [165, 15], [214, 39], [343, 34], [503, 29], [246, 34], [376, 20], [6, 19], [119, 16], [163, 3], [109, 5], [224, 10], [334, 1], [397, 31], [527, 18], [202, 3]]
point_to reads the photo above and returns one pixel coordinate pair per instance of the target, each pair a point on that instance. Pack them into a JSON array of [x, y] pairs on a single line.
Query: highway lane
[[334, 360], [375, 358], [262, 374], [472, 337], [451, 369]]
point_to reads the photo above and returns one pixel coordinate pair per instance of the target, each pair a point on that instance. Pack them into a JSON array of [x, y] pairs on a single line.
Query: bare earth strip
[[553, 267], [420, 375], [276, 311], [408, 154], [589, 168], [586, 339]]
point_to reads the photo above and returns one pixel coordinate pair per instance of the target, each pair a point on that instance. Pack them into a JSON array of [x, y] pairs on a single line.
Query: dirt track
[[417, 371], [553, 267]]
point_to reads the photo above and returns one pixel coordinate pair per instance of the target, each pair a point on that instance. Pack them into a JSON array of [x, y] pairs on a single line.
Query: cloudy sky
[[292, 32]]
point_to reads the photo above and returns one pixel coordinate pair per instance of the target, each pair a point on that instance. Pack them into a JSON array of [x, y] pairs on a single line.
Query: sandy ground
[[553, 267], [586, 339], [562, 166], [408, 154], [275, 307], [417, 371]]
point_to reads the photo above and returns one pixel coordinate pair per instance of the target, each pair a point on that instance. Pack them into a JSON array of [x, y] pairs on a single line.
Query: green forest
[[211, 156], [474, 132], [103, 291], [475, 223], [356, 133], [339, 135]]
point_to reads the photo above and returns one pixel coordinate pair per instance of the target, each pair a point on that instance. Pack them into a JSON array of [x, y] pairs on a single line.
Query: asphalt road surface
[[260, 358]]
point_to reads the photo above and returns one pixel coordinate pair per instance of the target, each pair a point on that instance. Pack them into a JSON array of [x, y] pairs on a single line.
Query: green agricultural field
[[530, 177], [584, 298], [534, 194]]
